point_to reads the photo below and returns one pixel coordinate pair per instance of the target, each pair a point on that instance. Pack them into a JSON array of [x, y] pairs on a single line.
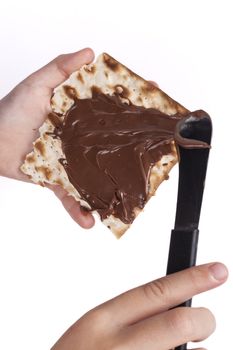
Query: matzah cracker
[[108, 76]]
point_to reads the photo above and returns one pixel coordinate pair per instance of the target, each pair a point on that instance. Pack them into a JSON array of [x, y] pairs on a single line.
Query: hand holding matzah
[[23, 111], [109, 138]]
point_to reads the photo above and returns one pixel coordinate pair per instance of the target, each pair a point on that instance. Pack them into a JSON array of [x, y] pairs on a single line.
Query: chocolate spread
[[110, 148]]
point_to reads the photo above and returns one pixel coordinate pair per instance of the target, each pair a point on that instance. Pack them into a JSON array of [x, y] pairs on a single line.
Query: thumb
[[59, 69]]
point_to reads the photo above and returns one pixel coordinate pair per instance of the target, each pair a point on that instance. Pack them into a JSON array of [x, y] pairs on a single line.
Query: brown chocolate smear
[[110, 148]]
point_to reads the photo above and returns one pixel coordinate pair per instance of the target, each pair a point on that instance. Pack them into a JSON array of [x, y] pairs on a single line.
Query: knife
[[192, 174]]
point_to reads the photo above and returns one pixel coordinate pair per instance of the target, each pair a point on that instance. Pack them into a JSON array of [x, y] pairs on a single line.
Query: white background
[[52, 271]]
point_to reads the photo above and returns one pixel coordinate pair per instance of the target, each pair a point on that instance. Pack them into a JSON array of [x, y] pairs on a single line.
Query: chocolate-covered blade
[[196, 128]]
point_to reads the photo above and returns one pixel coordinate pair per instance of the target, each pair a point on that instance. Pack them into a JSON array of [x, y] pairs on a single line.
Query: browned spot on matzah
[[46, 171], [95, 89], [40, 147], [70, 91], [30, 158], [148, 88], [90, 69], [111, 63], [80, 77]]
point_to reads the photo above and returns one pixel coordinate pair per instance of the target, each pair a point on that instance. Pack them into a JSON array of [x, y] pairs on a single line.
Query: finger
[[164, 293], [169, 329], [58, 70], [84, 218], [152, 82]]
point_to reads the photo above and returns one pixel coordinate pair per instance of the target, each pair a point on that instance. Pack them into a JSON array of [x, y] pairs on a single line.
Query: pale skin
[[141, 318]]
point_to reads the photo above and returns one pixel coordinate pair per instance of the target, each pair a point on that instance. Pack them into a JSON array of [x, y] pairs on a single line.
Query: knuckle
[[182, 321], [98, 318], [193, 324], [60, 57], [159, 289], [97, 323]]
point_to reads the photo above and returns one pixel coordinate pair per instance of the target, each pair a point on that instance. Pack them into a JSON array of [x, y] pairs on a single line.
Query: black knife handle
[[183, 250], [182, 255]]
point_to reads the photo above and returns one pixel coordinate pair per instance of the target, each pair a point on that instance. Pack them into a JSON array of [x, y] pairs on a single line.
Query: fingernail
[[218, 271]]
